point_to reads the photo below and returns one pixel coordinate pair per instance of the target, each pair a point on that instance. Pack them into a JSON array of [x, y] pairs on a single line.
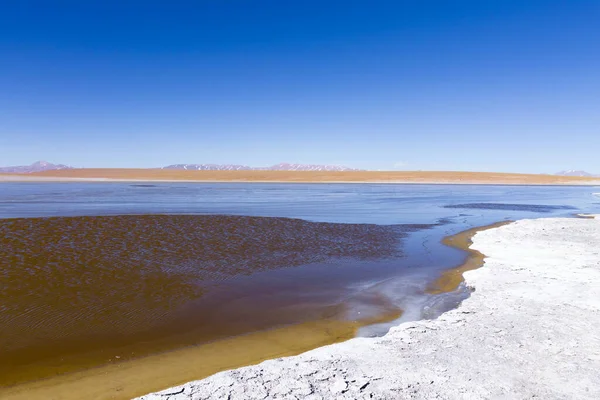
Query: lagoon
[[214, 261]]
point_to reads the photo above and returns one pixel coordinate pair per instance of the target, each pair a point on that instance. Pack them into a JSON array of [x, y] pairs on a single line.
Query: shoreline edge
[[530, 324]]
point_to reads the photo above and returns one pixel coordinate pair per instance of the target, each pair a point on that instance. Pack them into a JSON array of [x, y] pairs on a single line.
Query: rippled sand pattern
[[88, 285]]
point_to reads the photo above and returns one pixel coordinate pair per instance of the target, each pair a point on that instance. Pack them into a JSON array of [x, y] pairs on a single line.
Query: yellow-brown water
[[114, 307], [135, 377], [101, 292]]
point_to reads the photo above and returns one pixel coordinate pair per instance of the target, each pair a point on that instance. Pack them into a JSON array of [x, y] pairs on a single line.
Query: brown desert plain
[[432, 177]]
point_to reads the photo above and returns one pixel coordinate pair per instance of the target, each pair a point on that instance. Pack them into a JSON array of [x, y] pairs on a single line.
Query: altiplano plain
[[442, 177]]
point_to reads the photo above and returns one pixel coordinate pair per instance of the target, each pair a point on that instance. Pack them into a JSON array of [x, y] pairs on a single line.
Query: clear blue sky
[[439, 85]]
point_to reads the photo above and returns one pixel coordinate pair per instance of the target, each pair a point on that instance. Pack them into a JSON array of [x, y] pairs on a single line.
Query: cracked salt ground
[[528, 331]]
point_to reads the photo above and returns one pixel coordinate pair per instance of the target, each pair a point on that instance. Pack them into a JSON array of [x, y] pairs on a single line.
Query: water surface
[[94, 271]]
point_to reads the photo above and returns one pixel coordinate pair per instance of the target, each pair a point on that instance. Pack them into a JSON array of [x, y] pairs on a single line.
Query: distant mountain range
[[38, 166], [573, 172], [277, 167]]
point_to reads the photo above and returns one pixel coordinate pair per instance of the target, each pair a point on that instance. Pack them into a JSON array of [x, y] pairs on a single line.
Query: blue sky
[[426, 85]]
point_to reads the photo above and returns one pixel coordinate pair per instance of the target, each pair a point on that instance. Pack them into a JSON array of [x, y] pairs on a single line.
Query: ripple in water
[[86, 285], [540, 208]]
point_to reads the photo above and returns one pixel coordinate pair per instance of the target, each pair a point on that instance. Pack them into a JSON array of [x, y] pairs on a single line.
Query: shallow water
[[76, 291], [348, 203]]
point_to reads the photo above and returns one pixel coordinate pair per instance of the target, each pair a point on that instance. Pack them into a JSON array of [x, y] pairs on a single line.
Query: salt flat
[[529, 329]]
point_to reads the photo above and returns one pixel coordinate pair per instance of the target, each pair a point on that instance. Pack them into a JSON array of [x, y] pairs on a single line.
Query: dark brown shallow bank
[[76, 291]]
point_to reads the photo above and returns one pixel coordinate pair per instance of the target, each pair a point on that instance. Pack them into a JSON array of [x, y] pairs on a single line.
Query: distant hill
[[573, 172], [277, 167], [208, 167], [38, 166], [307, 167]]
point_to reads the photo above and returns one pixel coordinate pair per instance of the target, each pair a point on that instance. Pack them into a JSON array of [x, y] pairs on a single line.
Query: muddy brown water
[[123, 379], [85, 292]]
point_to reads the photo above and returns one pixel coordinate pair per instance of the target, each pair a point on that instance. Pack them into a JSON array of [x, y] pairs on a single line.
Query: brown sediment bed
[[452, 278], [586, 216], [88, 292], [125, 380]]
